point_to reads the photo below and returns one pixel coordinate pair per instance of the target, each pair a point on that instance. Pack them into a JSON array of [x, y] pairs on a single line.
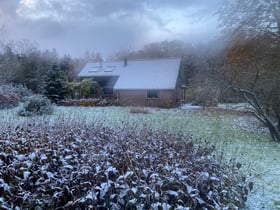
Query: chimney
[[100, 64], [125, 62]]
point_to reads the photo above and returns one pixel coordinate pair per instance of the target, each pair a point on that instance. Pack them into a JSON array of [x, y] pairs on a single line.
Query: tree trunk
[[274, 131], [278, 118], [259, 113]]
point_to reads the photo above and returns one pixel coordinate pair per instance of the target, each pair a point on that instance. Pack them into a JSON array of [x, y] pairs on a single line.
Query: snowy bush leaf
[[26, 174], [81, 166]]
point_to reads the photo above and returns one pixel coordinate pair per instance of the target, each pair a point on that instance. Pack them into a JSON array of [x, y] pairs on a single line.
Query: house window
[[153, 94]]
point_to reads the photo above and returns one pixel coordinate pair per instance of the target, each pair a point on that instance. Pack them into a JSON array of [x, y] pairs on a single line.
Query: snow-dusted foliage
[[93, 167], [8, 101], [12, 94], [36, 105]]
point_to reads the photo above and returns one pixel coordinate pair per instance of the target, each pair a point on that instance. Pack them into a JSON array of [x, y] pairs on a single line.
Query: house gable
[[136, 81]]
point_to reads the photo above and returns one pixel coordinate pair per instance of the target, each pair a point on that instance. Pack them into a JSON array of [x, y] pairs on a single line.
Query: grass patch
[[139, 110]]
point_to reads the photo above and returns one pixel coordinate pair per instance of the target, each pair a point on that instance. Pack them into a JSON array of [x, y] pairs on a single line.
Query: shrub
[[89, 102], [36, 105], [101, 168], [87, 88], [11, 95], [16, 89], [8, 100]]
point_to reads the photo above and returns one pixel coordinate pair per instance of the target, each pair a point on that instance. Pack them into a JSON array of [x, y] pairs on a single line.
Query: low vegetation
[[244, 143], [89, 102], [36, 105], [8, 101], [12, 95], [90, 166], [139, 110]]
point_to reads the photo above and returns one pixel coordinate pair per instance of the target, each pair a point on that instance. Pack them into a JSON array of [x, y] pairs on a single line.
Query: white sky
[[105, 26]]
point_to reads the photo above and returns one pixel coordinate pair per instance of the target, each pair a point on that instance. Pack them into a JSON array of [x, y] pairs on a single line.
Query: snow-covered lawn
[[238, 134]]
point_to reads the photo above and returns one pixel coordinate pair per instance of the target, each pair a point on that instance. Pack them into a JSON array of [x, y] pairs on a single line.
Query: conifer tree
[[55, 84]]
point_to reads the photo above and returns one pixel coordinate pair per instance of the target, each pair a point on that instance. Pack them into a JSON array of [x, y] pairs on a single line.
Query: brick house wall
[[167, 98]]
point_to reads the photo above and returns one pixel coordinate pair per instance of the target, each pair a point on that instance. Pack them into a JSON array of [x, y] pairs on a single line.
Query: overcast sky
[[105, 26]]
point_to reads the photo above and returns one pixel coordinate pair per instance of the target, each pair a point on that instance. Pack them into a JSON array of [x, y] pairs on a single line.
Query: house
[[138, 82]]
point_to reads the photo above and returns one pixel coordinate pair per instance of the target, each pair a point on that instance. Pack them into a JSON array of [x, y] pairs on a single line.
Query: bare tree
[[251, 18], [252, 61]]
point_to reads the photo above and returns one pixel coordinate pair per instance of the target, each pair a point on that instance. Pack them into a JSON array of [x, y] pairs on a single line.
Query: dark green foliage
[[27, 67], [55, 84], [36, 105], [83, 166]]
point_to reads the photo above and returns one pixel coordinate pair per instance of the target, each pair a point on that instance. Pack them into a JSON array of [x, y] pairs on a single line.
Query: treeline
[[201, 67], [22, 63]]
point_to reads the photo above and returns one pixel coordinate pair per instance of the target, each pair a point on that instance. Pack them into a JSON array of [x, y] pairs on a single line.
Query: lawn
[[253, 149]]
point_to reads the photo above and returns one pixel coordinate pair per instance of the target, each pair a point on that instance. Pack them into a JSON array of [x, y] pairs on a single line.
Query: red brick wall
[[168, 98]]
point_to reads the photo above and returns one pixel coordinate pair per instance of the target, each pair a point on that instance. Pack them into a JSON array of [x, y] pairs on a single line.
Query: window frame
[[153, 94]]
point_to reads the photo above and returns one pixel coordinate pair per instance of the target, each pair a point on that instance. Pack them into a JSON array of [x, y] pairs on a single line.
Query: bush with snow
[[93, 167], [36, 105], [12, 94]]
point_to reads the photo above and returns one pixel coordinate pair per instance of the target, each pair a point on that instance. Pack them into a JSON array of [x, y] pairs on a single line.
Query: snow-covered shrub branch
[[89, 166]]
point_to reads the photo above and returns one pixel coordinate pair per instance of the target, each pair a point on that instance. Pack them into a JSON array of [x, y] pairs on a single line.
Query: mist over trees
[[241, 65], [201, 64], [162, 49], [252, 64]]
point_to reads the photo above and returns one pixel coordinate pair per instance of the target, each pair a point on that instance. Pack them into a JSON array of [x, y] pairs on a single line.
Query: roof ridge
[[140, 59]]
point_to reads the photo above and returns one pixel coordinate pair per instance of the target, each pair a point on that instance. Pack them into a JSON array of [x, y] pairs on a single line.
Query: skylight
[[109, 68], [93, 69]]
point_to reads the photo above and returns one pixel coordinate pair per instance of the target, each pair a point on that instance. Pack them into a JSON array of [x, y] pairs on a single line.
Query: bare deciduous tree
[[252, 65]]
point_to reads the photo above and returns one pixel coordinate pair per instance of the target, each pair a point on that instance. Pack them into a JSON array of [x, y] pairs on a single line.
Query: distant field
[[234, 132]]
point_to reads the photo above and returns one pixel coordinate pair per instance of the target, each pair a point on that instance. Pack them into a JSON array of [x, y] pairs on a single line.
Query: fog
[[76, 26]]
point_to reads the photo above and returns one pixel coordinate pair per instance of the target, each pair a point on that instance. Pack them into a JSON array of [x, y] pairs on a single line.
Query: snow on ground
[[249, 123], [239, 133], [190, 107]]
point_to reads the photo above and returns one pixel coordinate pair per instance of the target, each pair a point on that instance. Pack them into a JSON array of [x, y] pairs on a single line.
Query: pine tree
[[55, 84]]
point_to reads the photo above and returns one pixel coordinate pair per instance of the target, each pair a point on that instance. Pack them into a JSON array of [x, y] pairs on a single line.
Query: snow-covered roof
[[101, 69], [137, 74]]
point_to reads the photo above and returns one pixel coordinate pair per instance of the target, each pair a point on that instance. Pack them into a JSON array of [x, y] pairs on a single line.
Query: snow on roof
[[138, 74], [98, 69]]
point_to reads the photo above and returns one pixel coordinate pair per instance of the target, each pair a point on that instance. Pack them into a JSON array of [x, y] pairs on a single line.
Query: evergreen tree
[[55, 84]]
